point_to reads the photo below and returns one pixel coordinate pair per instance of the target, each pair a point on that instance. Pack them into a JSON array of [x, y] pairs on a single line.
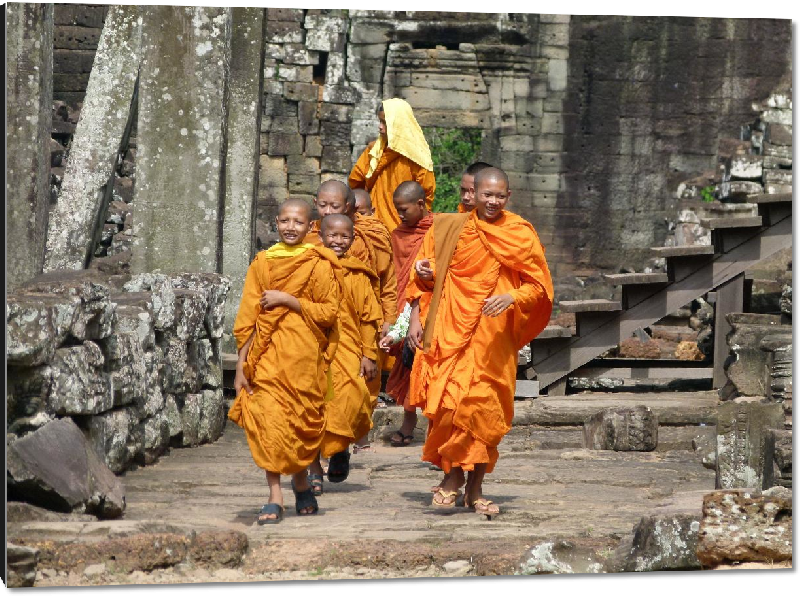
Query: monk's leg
[[300, 484], [275, 494], [448, 489], [315, 475], [316, 467], [474, 492]]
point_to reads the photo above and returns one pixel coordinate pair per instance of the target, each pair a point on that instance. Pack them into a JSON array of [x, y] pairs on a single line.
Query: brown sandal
[[484, 507], [443, 496]]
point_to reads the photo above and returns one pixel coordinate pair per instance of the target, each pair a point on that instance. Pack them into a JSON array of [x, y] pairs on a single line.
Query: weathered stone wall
[[76, 35], [134, 361]]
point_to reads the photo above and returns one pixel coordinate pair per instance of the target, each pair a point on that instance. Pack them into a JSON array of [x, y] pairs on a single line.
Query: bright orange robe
[[288, 360], [406, 243], [465, 381], [392, 169], [349, 411]]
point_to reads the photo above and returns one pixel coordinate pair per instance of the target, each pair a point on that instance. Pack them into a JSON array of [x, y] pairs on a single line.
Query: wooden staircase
[[737, 243]]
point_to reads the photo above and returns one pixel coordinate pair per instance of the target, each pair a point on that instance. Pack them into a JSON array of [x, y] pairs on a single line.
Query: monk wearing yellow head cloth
[[400, 153]]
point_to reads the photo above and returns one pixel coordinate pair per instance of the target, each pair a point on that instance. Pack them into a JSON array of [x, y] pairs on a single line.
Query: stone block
[[336, 113], [301, 91], [271, 171], [746, 365], [623, 429], [777, 189], [313, 146], [285, 144], [21, 566], [125, 364], [123, 189], [659, 543], [296, 73], [296, 53], [284, 32], [778, 458], [207, 364], [772, 162], [56, 468], [79, 15], [336, 159], [321, 40], [340, 94], [285, 14], [746, 167], [740, 526], [335, 134], [70, 37], [156, 437], [303, 184], [779, 134], [778, 178], [37, 324], [275, 105], [779, 151], [283, 125], [741, 437], [118, 436], [307, 120], [335, 69], [173, 415], [190, 314], [73, 61], [78, 383], [299, 164], [162, 296], [557, 74], [777, 116], [178, 376], [560, 556]]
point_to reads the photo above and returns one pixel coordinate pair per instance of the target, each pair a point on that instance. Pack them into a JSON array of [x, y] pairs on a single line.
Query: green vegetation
[[452, 149], [707, 193]]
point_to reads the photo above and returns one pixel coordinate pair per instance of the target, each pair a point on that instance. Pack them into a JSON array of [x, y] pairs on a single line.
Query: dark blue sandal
[[339, 466], [316, 482], [304, 500], [270, 509]]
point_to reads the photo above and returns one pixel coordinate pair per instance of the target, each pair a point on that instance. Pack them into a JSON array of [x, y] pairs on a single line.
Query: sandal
[[339, 466], [270, 509], [315, 480], [363, 448], [484, 507], [443, 496], [404, 441], [303, 500]]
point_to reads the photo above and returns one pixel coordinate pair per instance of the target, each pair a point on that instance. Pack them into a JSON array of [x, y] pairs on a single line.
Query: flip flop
[[443, 495], [485, 505], [405, 440], [316, 482], [339, 466], [270, 509]]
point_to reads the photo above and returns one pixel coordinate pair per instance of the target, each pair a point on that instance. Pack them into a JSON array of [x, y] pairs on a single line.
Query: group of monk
[[379, 282]]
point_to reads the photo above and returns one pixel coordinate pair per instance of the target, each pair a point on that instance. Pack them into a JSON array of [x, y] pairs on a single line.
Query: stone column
[[741, 436], [241, 160], [29, 105], [180, 139], [97, 139]]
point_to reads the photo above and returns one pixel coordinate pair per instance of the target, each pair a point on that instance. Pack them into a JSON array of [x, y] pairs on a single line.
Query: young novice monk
[[290, 300], [489, 298], [467, 203], [348, 409], [415, 221], [363, 202]]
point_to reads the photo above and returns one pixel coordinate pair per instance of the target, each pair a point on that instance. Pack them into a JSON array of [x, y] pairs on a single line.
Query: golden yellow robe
[[284, 418], [465, 381], [349, 409]]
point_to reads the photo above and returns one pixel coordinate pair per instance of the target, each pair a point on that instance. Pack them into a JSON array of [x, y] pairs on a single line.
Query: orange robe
[[289, 358], [465, 381], [392, 169], [349, 409], [406, 243]]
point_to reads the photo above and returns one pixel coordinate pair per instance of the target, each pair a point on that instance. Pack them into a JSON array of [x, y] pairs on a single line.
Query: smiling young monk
[[289, 303], [348, 406], [490, 294]]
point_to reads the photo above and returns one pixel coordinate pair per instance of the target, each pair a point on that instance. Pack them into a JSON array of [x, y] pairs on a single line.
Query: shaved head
[[339, 189], [296, 203], [494, 174], [409, 191], [335, 219], [362, 197]]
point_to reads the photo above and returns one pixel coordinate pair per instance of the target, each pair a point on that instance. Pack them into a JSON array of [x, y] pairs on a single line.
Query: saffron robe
[[392, 169], [348, 409], [287, 364], [406, 243], [465, 380]]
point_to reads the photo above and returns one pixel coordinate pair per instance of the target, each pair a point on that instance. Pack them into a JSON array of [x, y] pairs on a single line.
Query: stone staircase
[[737, 243]]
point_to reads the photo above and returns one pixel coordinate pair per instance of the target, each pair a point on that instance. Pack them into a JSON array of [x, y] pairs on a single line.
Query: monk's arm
[[388, 286], [249, 307], [323, 305], [427, 180], [358, 175], [240, 380], [416, 285], [369, 317]]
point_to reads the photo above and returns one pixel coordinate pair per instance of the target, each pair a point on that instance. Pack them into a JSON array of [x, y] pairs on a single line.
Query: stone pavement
[[379, 520]]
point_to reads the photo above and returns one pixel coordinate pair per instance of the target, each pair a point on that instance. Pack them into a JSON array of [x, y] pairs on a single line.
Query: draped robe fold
[[287, 364], [348, 410], [465, 381]]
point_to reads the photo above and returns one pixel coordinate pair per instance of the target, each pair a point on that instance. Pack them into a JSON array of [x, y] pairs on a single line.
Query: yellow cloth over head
[[404, 136]]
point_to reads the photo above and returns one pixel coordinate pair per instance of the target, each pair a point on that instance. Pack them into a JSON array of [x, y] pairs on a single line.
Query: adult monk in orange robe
[[289, 303], [491, 297], [400, 153], [416, 220], [348, 406], [467, 189], [371, 245]]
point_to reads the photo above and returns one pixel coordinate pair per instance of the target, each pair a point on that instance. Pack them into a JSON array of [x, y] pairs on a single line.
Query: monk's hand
[[368, 368], [423, 270], [385, 329], [385, 343], [414, 337], [272, 298], [495, 305], [240, 380]]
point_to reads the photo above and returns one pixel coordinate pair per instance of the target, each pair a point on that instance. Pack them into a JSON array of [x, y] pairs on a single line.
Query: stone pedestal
[[29, 104], [623, 429], [746, 363]]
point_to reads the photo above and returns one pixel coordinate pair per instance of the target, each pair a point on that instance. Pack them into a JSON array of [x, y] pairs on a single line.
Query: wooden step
[[727, 223], [693, 250], [628, 279], [554, 331], [773, 207], [770, 198], [683, 260], [595, 305]]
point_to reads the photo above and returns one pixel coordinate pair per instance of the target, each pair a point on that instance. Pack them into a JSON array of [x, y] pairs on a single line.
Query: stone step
[[594, 305], [725, 223], [625, 279]]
